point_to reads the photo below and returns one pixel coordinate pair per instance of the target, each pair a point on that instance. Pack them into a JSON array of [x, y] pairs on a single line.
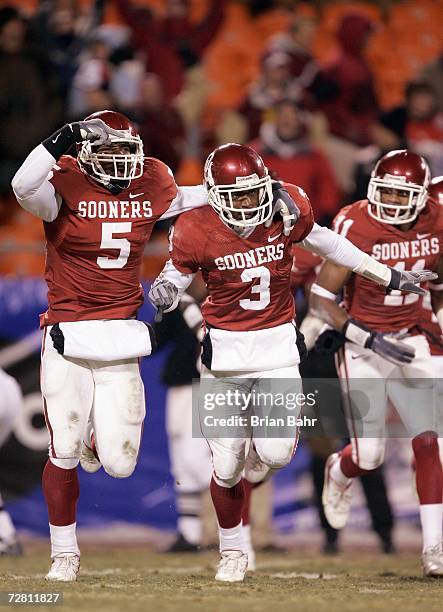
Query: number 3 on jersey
[[262, 288], [109, 242]]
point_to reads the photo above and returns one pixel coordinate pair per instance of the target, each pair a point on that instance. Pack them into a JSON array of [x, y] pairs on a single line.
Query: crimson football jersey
[[305, 267], [248, 279], [418, 248], [431, 327], [95, 245]]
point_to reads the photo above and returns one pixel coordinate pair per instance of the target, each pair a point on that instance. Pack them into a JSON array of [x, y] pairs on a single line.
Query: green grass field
[[127, 579]]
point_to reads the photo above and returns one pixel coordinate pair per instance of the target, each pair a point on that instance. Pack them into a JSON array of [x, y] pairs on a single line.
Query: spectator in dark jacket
[[353, 107], [173, 43], [287, 151], [30, 105]]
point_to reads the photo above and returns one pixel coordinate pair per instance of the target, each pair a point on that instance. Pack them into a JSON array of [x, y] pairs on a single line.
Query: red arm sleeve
[[183, 245]]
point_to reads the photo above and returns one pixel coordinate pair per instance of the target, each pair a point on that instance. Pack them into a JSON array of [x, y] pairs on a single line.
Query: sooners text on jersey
[[95, 245], [416, 249], [248, 279]]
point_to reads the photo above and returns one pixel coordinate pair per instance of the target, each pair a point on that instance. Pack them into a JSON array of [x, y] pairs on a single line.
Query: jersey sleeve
[[305, 222], [167, 189], [60, 177], [352, 223], [183, 245]]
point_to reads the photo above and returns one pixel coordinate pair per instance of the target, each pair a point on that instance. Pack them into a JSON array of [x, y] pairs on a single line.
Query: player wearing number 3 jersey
[[98, 211], [251, 339]]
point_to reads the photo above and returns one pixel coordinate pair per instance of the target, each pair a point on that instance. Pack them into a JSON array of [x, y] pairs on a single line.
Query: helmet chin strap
[[116, 187]]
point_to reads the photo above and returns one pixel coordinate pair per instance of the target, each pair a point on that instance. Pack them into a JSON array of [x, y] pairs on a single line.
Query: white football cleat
[[336, 499], [432, 561], [232, 566], [64, 568]]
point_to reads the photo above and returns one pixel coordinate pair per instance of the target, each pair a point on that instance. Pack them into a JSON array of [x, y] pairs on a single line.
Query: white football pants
[[372, 381], [230, 456], [110, 394]]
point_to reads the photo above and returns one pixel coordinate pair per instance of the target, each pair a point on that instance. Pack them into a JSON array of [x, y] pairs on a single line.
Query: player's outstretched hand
[[388, 347], [163, 295], [409, 281], [94, 130], [283, 203], [391, 349]]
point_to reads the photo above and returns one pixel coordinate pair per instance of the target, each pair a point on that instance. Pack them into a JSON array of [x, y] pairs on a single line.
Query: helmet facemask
[[107, 167], [403, 212], [223, 201]]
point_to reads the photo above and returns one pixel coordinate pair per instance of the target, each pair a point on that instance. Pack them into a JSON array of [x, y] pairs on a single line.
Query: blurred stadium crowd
[[320, 89]]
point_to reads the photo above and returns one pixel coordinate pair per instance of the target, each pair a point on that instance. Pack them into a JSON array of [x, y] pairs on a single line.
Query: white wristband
[[356, 334], [322, 292], [374, 270]]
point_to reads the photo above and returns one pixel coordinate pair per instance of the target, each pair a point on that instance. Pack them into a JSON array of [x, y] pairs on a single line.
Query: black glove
[[329, 342], [388, 347], [284, 205], [58, 339], [94, 130], [410, 280]]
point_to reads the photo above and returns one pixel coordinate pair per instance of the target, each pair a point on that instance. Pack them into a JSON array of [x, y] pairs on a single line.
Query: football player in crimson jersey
[[250, 336], [399, 225], [98, 211]]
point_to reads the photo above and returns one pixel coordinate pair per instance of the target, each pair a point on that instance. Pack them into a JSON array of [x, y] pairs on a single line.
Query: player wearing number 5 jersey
[[401, 226], [98, 211], [249, 313]]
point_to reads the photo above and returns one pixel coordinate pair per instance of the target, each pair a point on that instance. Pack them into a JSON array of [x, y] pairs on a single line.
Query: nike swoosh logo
[[272, 238], [420, 236], [135, 195], [55, 139]]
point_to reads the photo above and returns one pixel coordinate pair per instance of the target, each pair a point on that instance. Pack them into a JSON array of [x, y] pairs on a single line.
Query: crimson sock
[[248, 486], [429, 476], [228, 503], [347, 465], [61, 491]]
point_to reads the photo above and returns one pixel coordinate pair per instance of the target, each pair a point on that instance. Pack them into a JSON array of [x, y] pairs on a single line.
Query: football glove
[[94, 130], [285, 205], [388, 347], [329, 342], [163, 295], [409, 281]]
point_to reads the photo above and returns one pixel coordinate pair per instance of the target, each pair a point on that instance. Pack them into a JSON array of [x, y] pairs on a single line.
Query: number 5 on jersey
[[109, 242]]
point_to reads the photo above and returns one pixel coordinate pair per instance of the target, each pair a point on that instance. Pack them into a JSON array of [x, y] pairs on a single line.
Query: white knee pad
[[227, 471], [120, 459], [368, 453], [275, 453], [67, 444]]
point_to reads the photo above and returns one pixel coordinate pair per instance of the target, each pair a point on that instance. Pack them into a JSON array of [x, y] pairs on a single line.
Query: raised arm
[[31, 185], [341, 251]]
